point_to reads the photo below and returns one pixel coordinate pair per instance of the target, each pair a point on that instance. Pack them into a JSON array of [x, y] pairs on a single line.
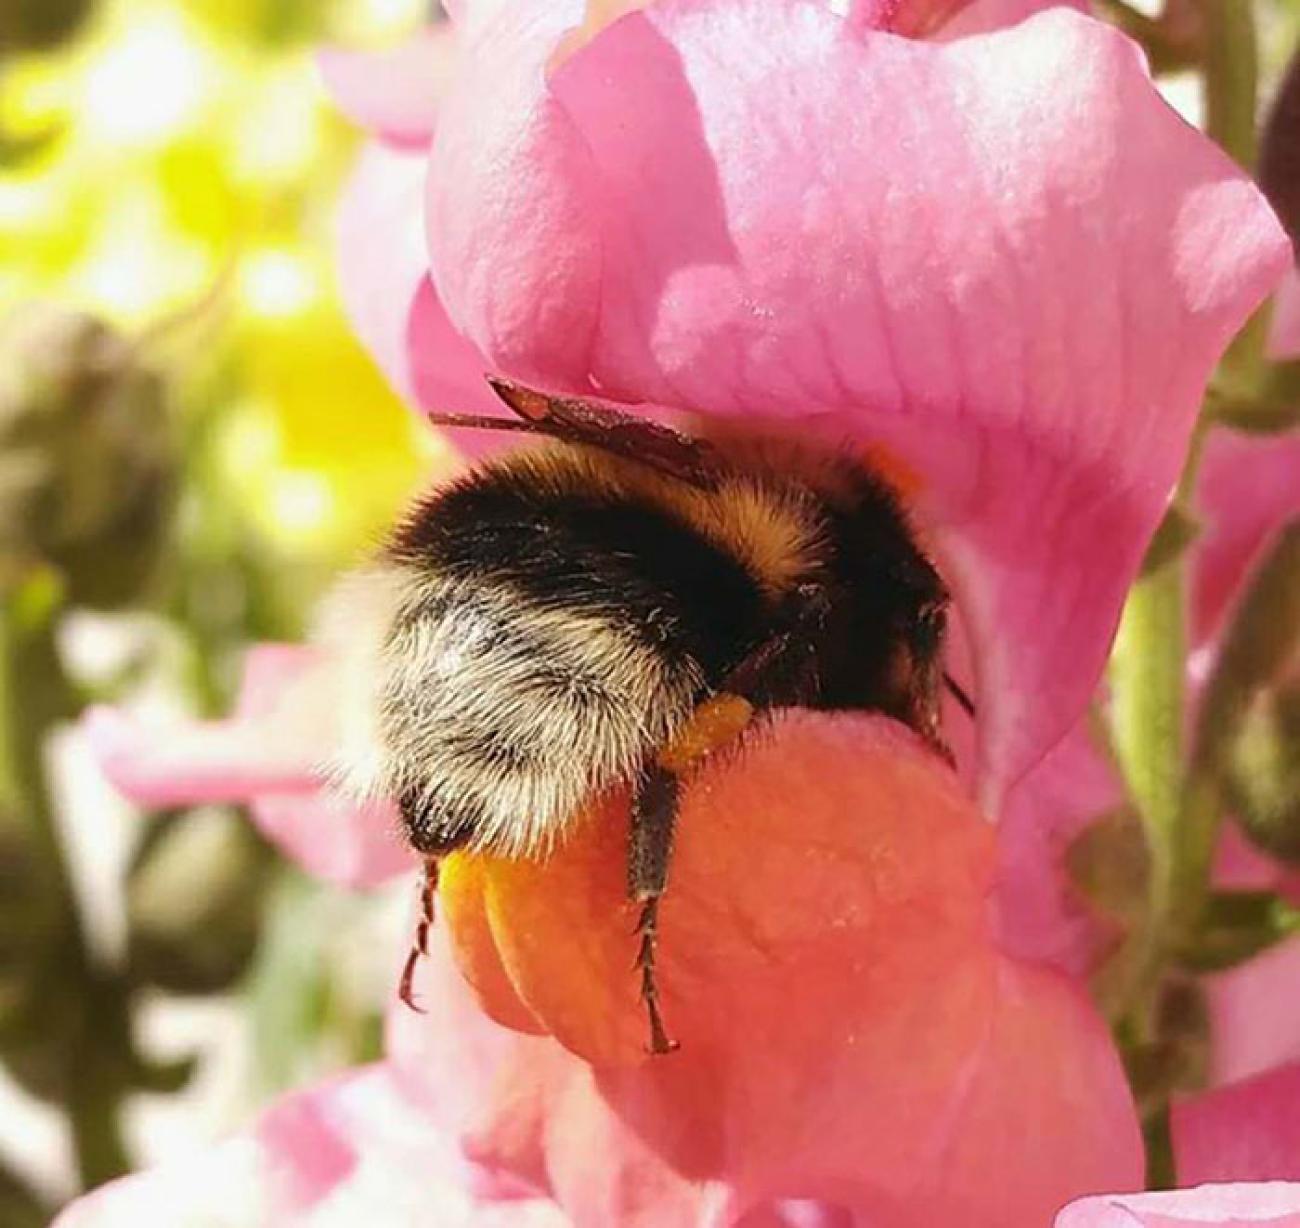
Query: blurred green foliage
[[188, 432]]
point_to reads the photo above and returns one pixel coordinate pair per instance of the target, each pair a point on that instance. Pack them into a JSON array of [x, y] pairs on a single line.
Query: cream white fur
[[442, 711]]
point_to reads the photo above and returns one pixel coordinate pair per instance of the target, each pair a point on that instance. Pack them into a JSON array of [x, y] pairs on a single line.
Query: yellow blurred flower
[[197, 162]]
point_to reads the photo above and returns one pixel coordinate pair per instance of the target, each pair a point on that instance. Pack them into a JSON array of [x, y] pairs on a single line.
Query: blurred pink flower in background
[[1002, 257], [268, 754]]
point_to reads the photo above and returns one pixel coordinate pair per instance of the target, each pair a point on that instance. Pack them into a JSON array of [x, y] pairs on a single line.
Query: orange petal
[[462, 881], [840, 856]]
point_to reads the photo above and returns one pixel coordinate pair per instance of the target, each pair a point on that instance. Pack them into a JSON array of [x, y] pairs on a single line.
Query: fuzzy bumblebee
[[609, 608]]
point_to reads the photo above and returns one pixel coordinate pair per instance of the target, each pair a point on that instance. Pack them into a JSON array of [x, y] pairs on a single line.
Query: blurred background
[[191, 444]]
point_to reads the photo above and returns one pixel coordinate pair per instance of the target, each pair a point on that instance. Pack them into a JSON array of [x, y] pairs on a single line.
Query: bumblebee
[[607, 609]]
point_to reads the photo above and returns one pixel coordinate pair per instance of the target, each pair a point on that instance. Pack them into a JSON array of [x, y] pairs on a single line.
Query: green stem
[[1231, 76], [1146, 677], [1160, 1151], [88, 1047], [1231, 65], [1170, 45], [1148, 672]]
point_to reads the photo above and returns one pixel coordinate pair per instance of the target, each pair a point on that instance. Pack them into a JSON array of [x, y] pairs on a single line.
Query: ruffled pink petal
[[1040, 915], [270, 755], [393, 94], [1248, 488], [391, 302], [738, 207], [1230, 1206], [1249, 1131], [352, 1151]]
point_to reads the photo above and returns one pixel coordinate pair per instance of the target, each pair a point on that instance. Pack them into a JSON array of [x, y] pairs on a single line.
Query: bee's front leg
[[654, 816]]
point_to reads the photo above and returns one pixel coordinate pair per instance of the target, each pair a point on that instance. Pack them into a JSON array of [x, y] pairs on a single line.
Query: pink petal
[[384, 281], [734, 206], [1249, 1131], [1240, 866], [393, 94], [1249, 486], [946, 19], [1284, 329], [351, 1151], [270, 755], [1230, 1206], [176, 763], [985, 16], [1041, 916], [333, 838], [912, 18], [1254, 1014]]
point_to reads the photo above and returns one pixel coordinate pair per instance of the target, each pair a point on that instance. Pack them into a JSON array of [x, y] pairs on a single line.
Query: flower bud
[[1264, 773], [86, 454], [194, 901]]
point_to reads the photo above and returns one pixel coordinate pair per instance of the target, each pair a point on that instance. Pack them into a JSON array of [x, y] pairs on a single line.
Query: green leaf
[[1256, 417]]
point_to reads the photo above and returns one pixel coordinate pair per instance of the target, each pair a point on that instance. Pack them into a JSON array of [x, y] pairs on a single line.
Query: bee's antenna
[[484, 422]]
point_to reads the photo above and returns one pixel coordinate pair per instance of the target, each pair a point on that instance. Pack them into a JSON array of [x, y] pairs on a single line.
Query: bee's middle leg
[[654, 816]]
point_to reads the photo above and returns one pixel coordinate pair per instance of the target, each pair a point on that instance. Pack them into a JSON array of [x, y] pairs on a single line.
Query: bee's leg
[[654, 815], [420, 943]]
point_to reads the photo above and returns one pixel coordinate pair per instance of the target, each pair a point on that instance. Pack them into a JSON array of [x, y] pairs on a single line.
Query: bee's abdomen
[[545, 649], [629, 564], [501, 718]]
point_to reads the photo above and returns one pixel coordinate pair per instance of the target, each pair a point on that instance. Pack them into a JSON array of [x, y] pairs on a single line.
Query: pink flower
[[271, 754], [1248, 487], [742, 255], [1003, 259], [352, 1151], [830, 969]]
